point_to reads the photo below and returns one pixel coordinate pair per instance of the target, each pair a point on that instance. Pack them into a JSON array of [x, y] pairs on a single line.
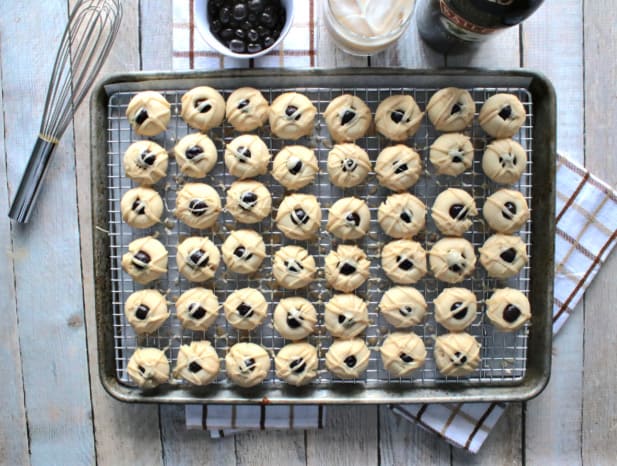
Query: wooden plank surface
[[13, 429], [155, 16], [182, 447], [600, 79], [546, 440], [36, 340], [350, 437], [558, 53], [132, 429], [266, 448], [403, 442], [504, 446], [599, 427], [46, 255]]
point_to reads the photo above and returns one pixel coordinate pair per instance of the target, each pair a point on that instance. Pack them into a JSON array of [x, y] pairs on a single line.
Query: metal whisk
[[87, 39]]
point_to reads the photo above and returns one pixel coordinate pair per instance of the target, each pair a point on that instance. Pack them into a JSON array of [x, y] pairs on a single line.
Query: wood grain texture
[[350, 437], [500, 50], [546, 440], [599, 427], [504, 445], [354, 435], [562, 62], [273, 447], [599, 410], [13, 429], [46, 250], [600, 79], [402, 442], [192, 447], [156, 34], [132, 429]]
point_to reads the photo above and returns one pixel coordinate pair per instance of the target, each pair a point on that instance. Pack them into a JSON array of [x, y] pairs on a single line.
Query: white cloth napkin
[[586, 233], [221, 420]]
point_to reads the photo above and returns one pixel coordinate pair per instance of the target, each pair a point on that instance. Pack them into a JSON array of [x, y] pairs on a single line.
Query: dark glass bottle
[[451, 26]]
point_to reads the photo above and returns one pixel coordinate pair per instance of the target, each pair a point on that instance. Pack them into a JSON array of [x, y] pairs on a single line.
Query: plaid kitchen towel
[[585, 234]]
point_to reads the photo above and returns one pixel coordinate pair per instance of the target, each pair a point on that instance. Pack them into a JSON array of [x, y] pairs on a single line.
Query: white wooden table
[[54, 410]]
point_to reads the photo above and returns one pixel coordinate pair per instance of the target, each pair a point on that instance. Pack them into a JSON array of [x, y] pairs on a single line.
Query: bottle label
[[458, 26]]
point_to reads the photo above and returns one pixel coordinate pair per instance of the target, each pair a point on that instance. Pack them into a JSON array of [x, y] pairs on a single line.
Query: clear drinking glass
[[365, 27]]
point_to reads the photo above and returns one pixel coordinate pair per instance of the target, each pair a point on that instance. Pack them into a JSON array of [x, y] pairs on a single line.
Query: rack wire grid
[[503, 355]]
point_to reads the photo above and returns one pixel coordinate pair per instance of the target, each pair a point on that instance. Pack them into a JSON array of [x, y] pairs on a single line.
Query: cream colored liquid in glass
[[364, 27]]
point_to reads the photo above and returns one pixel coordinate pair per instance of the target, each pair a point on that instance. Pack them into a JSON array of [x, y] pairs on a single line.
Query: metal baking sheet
[[505, 360]]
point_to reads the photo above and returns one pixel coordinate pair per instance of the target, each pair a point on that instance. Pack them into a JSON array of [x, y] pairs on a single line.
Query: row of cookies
[[294, 318], [404, 261], [397, 167], [505, 211], [299, 215], [246, 156], [248, 364], [455, 308], [400, 215], [346, 315], [292, 115]]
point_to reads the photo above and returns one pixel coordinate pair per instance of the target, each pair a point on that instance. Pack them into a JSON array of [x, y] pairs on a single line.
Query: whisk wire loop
[[91, 30]]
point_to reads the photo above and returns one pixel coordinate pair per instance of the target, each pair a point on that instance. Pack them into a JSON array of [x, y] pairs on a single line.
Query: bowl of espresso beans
[[243, 28]]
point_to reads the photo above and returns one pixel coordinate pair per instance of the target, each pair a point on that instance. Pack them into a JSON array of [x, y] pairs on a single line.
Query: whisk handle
[[31, 182]]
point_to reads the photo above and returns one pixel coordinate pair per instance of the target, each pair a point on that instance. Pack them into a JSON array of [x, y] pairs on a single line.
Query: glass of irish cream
[[365, 27]]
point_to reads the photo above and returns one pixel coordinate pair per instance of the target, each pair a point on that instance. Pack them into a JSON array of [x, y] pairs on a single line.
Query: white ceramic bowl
[[203, 27]]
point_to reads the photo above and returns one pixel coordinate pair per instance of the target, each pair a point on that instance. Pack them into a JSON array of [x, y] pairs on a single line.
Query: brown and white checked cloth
[[585, 235]]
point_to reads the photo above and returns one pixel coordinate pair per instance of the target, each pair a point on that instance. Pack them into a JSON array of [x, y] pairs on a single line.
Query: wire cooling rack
[[503, 355]]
